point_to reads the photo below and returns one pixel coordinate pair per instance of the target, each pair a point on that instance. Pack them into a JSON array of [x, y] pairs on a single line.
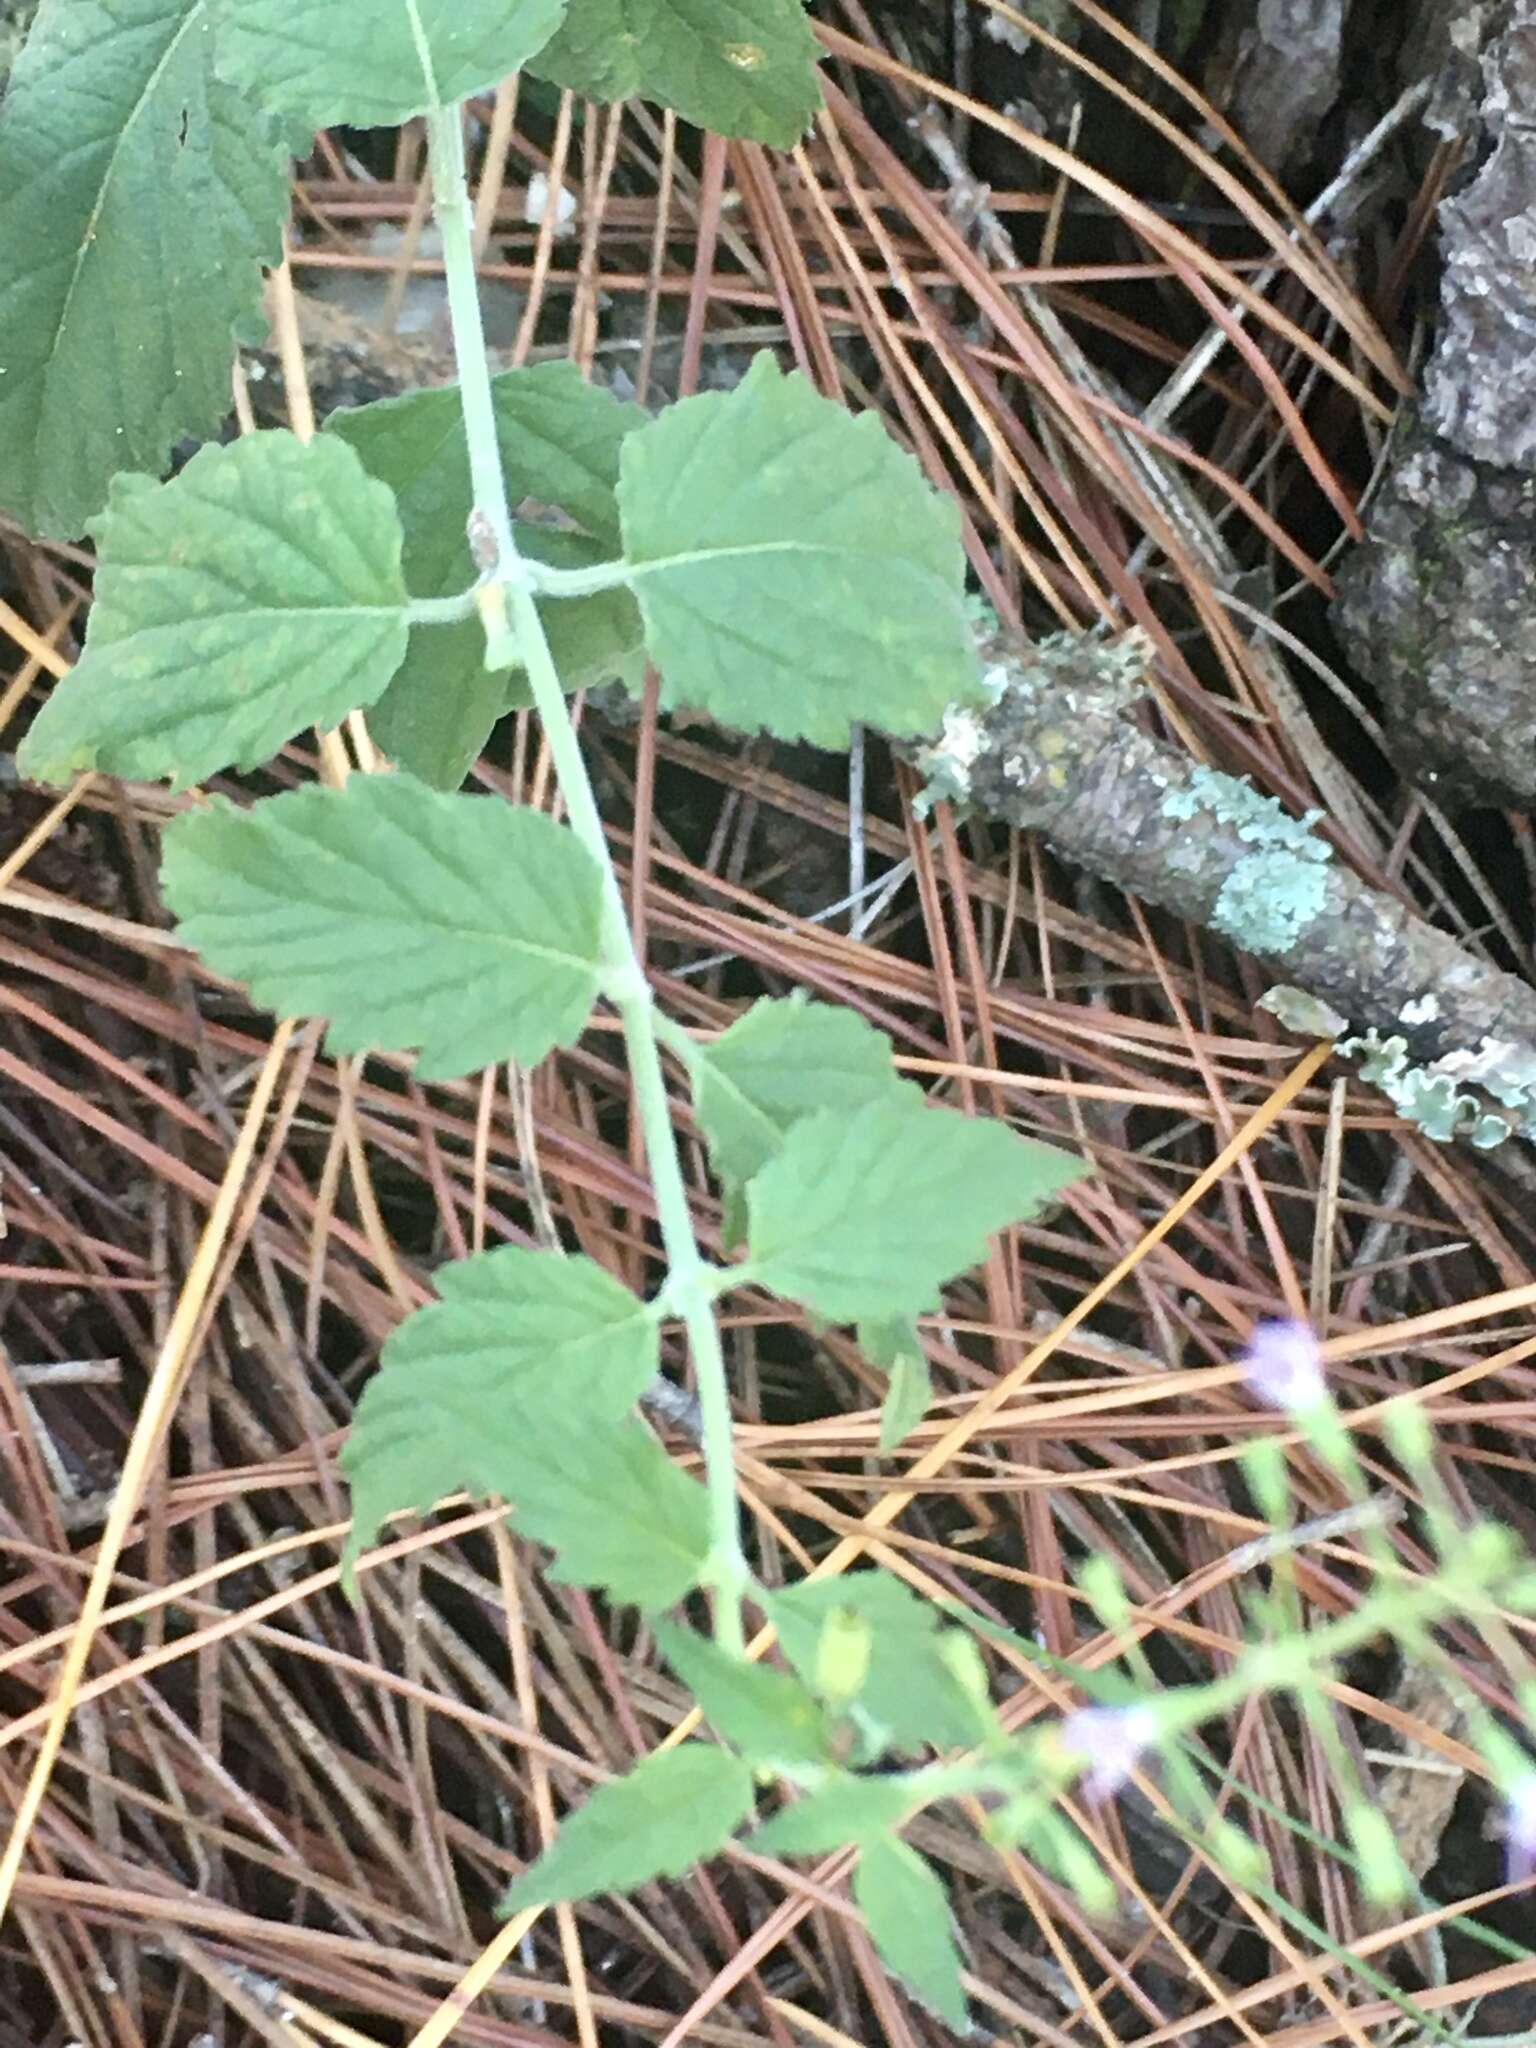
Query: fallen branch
[[1059, 751]]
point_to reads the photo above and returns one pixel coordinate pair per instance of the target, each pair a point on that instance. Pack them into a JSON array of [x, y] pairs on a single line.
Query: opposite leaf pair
[[792, 568]]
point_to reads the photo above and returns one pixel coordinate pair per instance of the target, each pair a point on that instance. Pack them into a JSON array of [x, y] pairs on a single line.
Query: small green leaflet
[[911, 1696], [671, 1811], [795, 569], [139, 198], [559, 437], [868, 1215], [457, 924], [896, 1348], [609, 1500], [513, 1332], [844, 1810], [784, 1060], [740, 67], [766, 1714], [907, 1912], [375, 63], [256, 593], [560, 440]]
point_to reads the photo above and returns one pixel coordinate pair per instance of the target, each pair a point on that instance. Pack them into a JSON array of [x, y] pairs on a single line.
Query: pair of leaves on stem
[[787, 566], [685, 1804], [865, 1217], [144, 180]]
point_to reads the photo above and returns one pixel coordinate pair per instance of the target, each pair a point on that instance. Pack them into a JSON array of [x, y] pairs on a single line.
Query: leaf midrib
[[88, 238]]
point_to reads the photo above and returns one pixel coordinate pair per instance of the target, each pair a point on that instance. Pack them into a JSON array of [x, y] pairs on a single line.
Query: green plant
[[788, 569]]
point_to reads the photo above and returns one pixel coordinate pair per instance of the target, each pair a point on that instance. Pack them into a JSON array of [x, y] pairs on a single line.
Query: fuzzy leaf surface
[[907, 1912], [895, 1346], [139, 198], [560, 439], [785, 1060], [765, 1713], [868, 1215], [375, 63], [614, 1507], [740, 67], [459, 925], [845, 1809], [795, 569], [256, 593], [559, 436], [513, 1332], [672, 1810], [910, 1697]]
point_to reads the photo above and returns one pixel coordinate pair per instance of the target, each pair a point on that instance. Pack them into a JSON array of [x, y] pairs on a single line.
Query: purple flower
[[1520, 1830], [1282, 1366], [1110, 1740]]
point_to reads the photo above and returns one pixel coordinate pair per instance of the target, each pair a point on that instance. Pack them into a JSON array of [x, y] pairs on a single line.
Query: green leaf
[[461, 925], [911, 1696], [781, 1062], [672, 1810], [846, 1809], [896, 1348], [377, 62], [794, 568], [597, 638], [740, 67], [560, 440], [139, 198], [767, 1714], [868, 1215], [256, 593], [611, 1502], [907, 1912], [513, 1333]]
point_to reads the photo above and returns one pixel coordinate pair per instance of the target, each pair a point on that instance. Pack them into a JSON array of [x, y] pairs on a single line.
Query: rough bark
[[1286, 64], [1438, 607]]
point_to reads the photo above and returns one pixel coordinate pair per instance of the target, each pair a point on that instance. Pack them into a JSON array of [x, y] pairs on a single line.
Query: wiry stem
[[690, 1286]]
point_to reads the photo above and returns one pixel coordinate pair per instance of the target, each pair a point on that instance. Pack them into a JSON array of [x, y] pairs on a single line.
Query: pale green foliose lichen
[[1433, 1097], [1273, 893], [1305, 1014]]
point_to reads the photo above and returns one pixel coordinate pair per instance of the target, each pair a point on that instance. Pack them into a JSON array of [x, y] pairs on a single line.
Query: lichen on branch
[[1057, 750]]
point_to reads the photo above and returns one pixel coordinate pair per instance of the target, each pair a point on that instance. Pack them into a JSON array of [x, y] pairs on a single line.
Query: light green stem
[[690, 1286]]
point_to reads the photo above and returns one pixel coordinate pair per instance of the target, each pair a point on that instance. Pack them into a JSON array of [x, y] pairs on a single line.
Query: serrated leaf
[[139, 198], [256, 593], [740, 67], [894, 1345], [907, 1912], [560, 439], [672, 1810], [375, 63], [460, 925], [868, 1215], [613, 1506], [847, 1809], [765, 1713], [514, 1332], [782, 1061], [795, 569], [911, 1697]]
